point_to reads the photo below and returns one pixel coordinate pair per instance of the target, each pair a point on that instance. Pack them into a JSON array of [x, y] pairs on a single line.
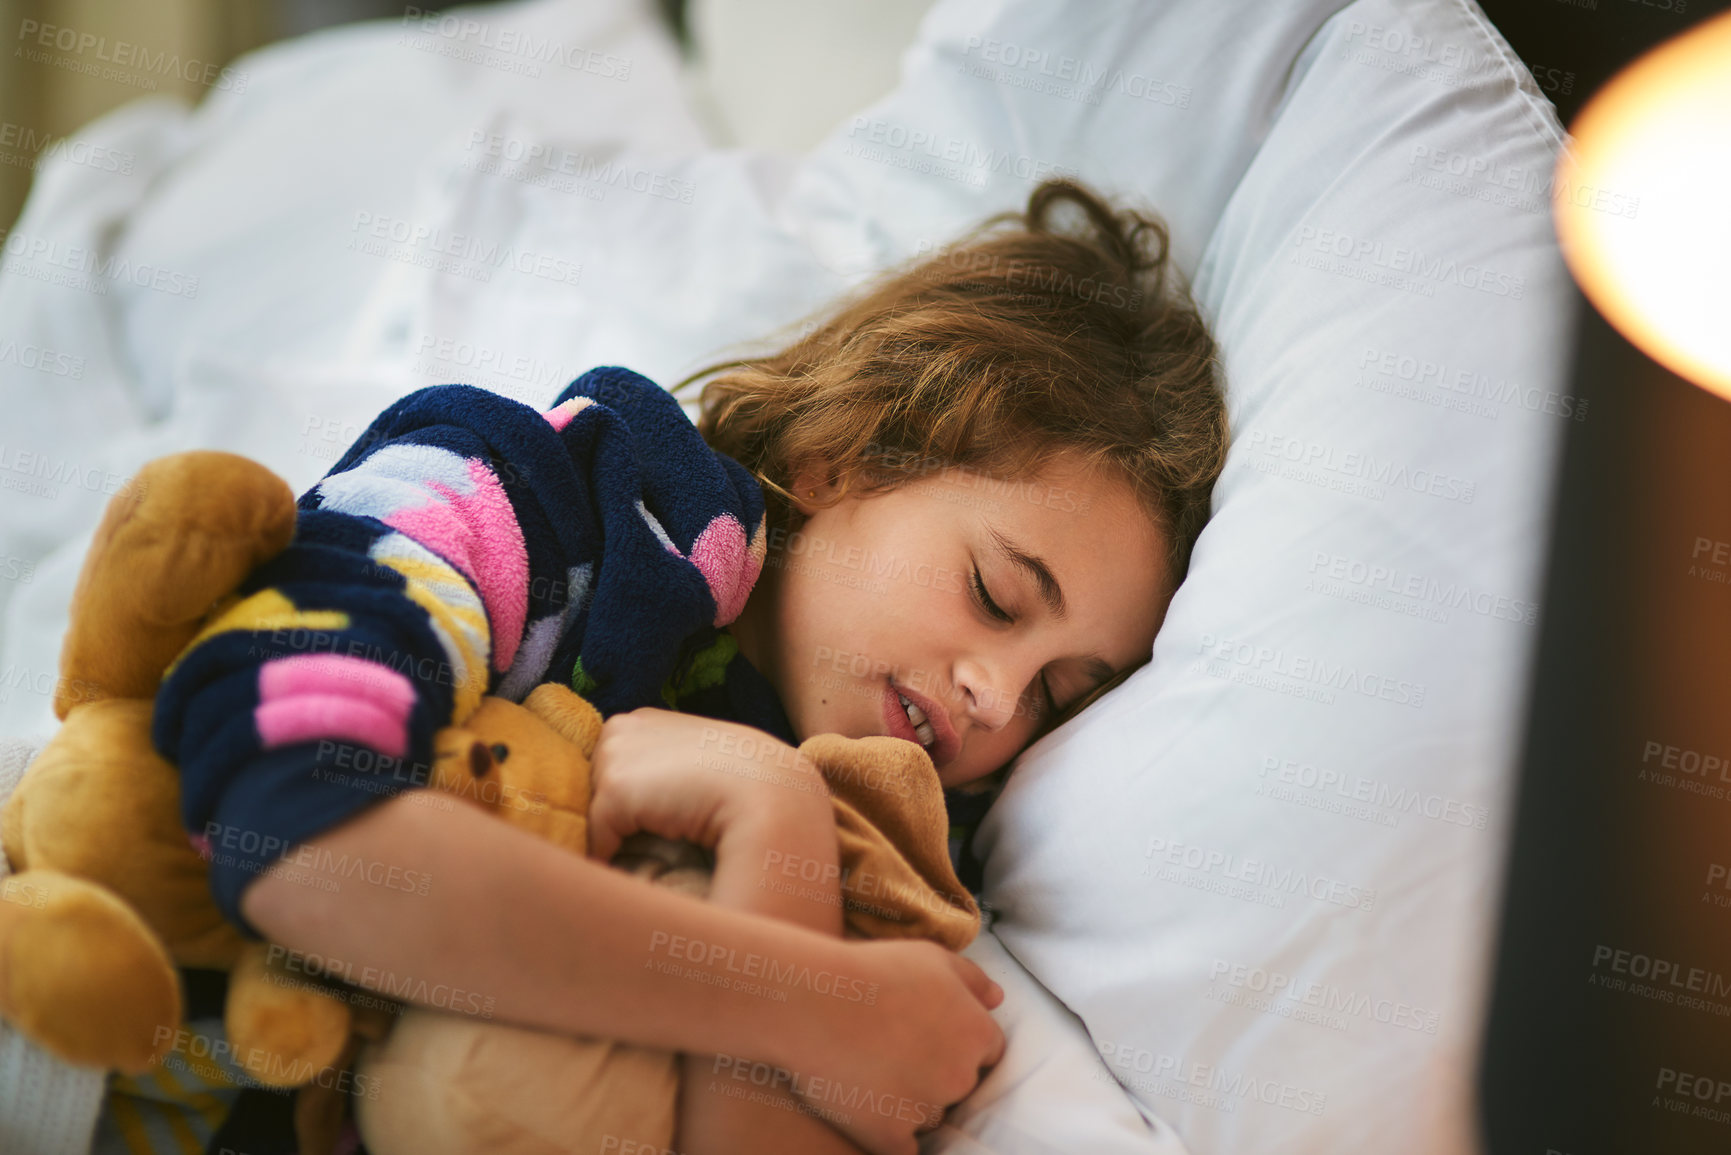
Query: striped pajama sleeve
[[465, 545]]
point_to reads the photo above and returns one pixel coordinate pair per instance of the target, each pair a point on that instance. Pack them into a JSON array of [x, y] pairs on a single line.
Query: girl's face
[[919, 592]]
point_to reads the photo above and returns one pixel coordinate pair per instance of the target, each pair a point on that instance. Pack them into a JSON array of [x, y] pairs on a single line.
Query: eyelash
[[991, 607]]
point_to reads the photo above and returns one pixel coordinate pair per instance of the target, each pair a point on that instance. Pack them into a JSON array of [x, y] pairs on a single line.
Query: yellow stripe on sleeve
[[267, 610]]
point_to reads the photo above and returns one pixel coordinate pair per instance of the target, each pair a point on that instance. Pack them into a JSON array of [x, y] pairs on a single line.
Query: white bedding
[[626, 240]]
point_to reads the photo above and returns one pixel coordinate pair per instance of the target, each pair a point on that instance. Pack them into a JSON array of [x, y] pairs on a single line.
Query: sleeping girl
[[953, 512]]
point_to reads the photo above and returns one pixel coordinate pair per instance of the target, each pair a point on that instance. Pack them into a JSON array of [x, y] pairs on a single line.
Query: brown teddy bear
[[119, 898], [443, 1083]]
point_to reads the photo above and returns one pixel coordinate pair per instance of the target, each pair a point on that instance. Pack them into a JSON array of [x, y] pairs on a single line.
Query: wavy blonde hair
[[1059, 331]]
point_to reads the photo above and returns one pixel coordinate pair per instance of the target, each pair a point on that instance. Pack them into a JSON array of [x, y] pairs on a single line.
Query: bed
[[1243, 904]]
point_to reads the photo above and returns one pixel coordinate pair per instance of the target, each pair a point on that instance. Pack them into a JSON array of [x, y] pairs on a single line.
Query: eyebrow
[[1052, 594]]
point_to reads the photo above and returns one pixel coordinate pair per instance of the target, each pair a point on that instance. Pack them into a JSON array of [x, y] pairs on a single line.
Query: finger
[[604, 836], [988, 992], [884, 1143], [996, 1052], [902, 1145], [603, 842], [932, 1124]]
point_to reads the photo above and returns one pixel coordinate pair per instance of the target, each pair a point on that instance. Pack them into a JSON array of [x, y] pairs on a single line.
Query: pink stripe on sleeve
[[312, 696], [336, 674], [731, 569], [478, 533], [309, 717], [561, 414]]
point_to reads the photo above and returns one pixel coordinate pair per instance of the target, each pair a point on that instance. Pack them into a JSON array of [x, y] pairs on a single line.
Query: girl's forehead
[[1065, 520], [1065, 485]]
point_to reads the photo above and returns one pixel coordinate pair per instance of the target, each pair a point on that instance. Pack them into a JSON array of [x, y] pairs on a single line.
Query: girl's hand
[[917, 1050], [686, 776]]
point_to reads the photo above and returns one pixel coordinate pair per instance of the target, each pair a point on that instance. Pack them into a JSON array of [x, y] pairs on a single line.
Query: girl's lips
[[944, 745]]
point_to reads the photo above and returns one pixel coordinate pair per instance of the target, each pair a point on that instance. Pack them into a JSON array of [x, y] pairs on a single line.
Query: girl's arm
[[727, 1107], [769, 818], [563, 943]]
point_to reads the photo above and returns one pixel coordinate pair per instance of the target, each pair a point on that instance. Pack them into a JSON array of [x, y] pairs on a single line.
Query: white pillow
[[1263, 870], [1164, 103]]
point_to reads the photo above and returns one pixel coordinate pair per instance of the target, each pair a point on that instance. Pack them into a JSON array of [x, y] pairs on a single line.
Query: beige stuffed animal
[[108, 896], [461, 1084]]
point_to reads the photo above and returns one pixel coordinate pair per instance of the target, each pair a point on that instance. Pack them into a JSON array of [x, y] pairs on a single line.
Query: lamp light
[[1610, 846], [1642, 203]]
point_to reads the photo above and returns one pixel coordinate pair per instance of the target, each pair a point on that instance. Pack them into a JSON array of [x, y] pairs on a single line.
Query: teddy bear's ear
[[568, 713]]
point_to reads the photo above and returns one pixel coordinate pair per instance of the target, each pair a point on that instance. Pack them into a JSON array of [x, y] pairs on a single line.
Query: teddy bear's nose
[[480, 761]]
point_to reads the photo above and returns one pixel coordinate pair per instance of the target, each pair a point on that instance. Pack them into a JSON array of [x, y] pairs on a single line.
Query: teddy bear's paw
[[82, 975], [285, 1026]]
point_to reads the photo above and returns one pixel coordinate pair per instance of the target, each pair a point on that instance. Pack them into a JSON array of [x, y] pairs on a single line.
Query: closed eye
[[984, 597], [986, 602]]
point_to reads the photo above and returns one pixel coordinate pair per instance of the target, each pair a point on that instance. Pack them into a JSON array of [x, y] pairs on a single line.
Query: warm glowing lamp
[[1643, 204]]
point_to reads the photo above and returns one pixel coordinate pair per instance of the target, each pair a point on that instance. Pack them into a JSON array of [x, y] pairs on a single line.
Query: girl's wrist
[[788, 810], [787, 783], [783, 863], [813, 1020]]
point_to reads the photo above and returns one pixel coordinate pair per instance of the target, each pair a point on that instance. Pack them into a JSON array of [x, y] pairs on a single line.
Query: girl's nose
[[994, 690]]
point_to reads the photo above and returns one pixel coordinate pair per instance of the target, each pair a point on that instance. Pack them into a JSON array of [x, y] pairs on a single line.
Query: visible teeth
[[922, 726]]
